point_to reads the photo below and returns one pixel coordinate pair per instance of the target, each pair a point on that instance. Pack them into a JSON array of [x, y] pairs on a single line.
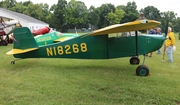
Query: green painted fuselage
[[98, 47]]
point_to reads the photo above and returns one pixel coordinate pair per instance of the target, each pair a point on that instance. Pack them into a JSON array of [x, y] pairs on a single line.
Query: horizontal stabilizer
[[126, 27], [20, 51]]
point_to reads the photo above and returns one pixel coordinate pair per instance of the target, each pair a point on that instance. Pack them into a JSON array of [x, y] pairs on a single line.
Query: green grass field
[[91, 82]]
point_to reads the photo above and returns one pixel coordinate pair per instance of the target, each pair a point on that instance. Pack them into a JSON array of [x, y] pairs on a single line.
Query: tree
[[131, 13], [59, 14], [177, 25], [34, 10], [150, 12], [46, 13], [19, 7], [7, 3], [170, 16], [76, 14], [115, 17], [93, 16], [104, 9]]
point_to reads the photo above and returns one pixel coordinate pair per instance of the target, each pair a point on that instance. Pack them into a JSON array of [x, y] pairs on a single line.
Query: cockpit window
[[124, 34]]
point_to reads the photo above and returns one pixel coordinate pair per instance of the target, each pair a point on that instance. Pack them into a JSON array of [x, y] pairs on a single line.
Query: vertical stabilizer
[[24, 39]]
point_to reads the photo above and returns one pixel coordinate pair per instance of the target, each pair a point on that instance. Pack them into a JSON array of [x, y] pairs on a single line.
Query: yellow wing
[[19, 51], [126, 27]]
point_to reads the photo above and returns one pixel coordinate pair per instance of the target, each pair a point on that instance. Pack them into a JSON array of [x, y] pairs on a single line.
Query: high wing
[[126, 27]]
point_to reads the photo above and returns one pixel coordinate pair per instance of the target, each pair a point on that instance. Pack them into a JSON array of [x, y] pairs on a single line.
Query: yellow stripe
[[62, 39], [19, 51]]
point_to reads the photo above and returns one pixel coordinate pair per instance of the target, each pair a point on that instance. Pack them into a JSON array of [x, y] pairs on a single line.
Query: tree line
[[68, 15]]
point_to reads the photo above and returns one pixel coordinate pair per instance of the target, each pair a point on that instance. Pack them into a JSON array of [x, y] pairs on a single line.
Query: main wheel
[[142, 70], [4, 43], [134, 60]]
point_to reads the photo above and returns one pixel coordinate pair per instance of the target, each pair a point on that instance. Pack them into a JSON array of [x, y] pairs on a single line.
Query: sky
[[162, 5]]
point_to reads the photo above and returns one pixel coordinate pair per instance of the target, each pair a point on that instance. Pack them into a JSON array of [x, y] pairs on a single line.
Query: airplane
[[98, 44], [53, 37], [6, 27]]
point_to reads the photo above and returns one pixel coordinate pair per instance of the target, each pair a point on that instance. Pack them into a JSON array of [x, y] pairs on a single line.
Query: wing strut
[[136, 38]]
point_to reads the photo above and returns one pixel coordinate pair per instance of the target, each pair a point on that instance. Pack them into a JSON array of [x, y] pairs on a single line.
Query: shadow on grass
[[73, 65]]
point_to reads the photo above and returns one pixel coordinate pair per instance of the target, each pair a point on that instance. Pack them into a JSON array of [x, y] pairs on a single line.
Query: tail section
[[23, 41]]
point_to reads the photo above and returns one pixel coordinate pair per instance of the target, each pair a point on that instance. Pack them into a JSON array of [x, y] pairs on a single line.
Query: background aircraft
[[6, 27], [98, 44], [53, 37]]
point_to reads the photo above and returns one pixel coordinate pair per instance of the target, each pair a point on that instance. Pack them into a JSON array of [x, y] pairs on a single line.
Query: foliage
[[170, 16], [91, 82], [104, 9], [115, 17], [177, 25], [131, 13], [93, 15], [59, 14], [65, 15], [76, 14], [150, 12]]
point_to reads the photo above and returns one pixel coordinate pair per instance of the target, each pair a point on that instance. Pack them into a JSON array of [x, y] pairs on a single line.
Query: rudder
[[24, 39]]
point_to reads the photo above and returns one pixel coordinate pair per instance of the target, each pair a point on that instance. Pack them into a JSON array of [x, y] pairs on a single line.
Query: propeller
[[166, 31]]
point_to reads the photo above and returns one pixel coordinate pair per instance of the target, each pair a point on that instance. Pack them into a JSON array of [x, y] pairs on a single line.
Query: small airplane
[[46, 35], [7, 27], [53, 37], [99, 44]]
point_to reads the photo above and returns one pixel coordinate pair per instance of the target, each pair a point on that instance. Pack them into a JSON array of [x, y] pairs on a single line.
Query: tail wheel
[[13, 62], [4, 43], [142, 70], [134, 60]]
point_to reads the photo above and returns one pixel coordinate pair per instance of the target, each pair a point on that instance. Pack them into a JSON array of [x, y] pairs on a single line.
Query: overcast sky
[[162, 5]]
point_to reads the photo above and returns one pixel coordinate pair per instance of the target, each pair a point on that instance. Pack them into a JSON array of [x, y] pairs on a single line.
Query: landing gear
[[13, 62], [134, 60], [3, 43], [142, 70]]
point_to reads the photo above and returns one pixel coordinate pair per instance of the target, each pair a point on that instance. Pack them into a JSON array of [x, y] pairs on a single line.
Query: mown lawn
[[94, 82]]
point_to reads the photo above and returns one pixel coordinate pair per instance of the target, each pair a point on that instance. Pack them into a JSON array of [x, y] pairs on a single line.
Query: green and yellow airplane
[[99, 44], [53, 37]]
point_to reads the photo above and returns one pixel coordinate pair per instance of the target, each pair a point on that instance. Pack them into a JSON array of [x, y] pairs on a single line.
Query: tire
[[12, 62], [142, 70], [134, 60], [4, 43]]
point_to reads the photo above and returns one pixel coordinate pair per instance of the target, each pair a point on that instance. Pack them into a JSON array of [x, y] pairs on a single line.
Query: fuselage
[[98, 47]]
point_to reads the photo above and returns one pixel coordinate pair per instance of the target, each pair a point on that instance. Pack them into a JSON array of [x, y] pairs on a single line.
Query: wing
[[126, 27]]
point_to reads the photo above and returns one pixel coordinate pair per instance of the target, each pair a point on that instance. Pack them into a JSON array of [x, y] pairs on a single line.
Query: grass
[[94, 82]]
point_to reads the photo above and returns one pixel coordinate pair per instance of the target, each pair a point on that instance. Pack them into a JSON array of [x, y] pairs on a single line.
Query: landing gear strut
[[13, 61]]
